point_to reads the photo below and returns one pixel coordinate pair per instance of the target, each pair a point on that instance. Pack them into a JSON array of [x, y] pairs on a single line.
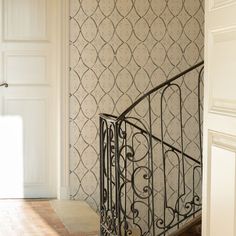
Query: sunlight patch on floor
[[77, 216]]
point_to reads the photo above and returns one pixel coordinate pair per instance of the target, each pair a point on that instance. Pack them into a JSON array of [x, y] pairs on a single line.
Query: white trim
[[224, 142], [63, 164]]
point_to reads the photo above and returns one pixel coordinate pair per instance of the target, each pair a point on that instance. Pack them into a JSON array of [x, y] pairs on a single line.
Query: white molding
[[218, 105], [226, 142], [63, 165], [64, 193], [222, 140], [223, 106], [215, 6]]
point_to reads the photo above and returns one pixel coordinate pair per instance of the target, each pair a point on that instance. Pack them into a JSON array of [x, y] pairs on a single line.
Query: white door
[[219, 186], [28, 106]]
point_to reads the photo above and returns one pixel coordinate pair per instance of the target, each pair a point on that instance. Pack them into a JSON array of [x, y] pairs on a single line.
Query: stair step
[[192, 228]]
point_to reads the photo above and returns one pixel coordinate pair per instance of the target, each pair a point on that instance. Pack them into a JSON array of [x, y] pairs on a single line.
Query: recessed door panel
[[222, 191], [223, 50], [23, 68], [33, 115], [25, 19]]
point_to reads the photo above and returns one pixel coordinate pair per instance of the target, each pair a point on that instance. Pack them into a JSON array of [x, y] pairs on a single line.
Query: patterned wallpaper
[[120, 49]]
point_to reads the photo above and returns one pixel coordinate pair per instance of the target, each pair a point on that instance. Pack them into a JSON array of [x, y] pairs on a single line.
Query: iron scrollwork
[[149, 182]]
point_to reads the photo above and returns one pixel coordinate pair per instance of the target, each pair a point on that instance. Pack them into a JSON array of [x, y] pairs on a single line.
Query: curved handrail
[[121, 117], [123, 114]]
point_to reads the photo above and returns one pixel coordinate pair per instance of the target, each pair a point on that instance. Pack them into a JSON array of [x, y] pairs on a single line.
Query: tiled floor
[[31, 218]]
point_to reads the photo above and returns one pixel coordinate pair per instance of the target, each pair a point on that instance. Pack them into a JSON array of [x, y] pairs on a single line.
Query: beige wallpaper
[[120, 49]]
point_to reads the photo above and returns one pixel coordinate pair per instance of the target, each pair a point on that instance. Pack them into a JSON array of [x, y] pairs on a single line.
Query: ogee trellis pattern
[[120, 49]]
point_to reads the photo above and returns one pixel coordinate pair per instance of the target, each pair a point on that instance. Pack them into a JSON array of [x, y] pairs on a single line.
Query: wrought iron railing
[[151, 159]]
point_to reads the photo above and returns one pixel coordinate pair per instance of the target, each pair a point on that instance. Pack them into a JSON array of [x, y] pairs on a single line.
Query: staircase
[[192, 228], [151, 161]]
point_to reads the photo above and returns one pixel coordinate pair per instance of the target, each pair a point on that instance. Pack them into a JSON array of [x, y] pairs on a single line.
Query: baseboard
[[64, 193]]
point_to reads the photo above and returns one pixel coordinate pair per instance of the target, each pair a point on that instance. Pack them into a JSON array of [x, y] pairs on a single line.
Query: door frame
[[63, 101]]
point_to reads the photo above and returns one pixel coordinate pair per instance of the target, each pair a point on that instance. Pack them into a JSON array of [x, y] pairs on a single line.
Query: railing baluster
[[101, 174], [164, 163], [125, 168], [151, 162], [199, 113], [117, 174], [107, 168]]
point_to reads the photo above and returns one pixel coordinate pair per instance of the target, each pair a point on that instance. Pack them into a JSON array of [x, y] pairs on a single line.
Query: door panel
[[25, 19], [26, 68], [222, 191], [219, 182], [223, 50], [28, 107], [32, 111]]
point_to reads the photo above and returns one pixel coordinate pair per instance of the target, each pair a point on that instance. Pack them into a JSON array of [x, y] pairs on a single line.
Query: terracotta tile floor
[[29, 218]]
